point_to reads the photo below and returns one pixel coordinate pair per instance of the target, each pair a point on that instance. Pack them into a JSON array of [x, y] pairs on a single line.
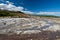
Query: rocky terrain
[[30, 28], [21, 26]]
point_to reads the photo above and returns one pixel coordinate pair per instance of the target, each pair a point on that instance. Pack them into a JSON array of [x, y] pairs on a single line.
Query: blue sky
[[50, 7], [38, 5]]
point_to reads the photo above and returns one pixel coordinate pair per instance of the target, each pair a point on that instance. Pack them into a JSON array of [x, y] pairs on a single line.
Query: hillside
[[18, 14], [47, 16], [5, 13]]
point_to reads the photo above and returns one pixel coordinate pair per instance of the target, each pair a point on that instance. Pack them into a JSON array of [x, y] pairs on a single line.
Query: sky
[[38, 7]]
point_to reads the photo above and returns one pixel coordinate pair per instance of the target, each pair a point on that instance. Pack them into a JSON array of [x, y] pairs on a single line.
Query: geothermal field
[[29, 28]]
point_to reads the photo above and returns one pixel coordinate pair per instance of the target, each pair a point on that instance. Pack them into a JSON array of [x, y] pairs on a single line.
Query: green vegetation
[[8, 13], [5, 13], [18, 14], [47, 16]]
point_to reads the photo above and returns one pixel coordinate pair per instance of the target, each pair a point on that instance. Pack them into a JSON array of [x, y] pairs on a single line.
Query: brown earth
[[46, 35]]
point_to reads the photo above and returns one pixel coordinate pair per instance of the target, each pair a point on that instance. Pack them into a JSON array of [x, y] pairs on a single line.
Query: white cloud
[[10, 7], [48, 13], [8, 2], [43, 13], [51, 13], [28, 12]]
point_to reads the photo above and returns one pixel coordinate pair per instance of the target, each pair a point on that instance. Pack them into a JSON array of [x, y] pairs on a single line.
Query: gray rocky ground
[[28, 25], [29, 28]]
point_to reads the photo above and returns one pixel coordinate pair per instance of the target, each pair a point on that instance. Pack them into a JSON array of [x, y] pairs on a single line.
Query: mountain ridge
[[6, 13], [19, 14]]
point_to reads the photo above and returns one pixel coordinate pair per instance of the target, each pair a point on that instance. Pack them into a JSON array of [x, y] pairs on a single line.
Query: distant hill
[[18, 14], [5, 13], [47, 16]]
